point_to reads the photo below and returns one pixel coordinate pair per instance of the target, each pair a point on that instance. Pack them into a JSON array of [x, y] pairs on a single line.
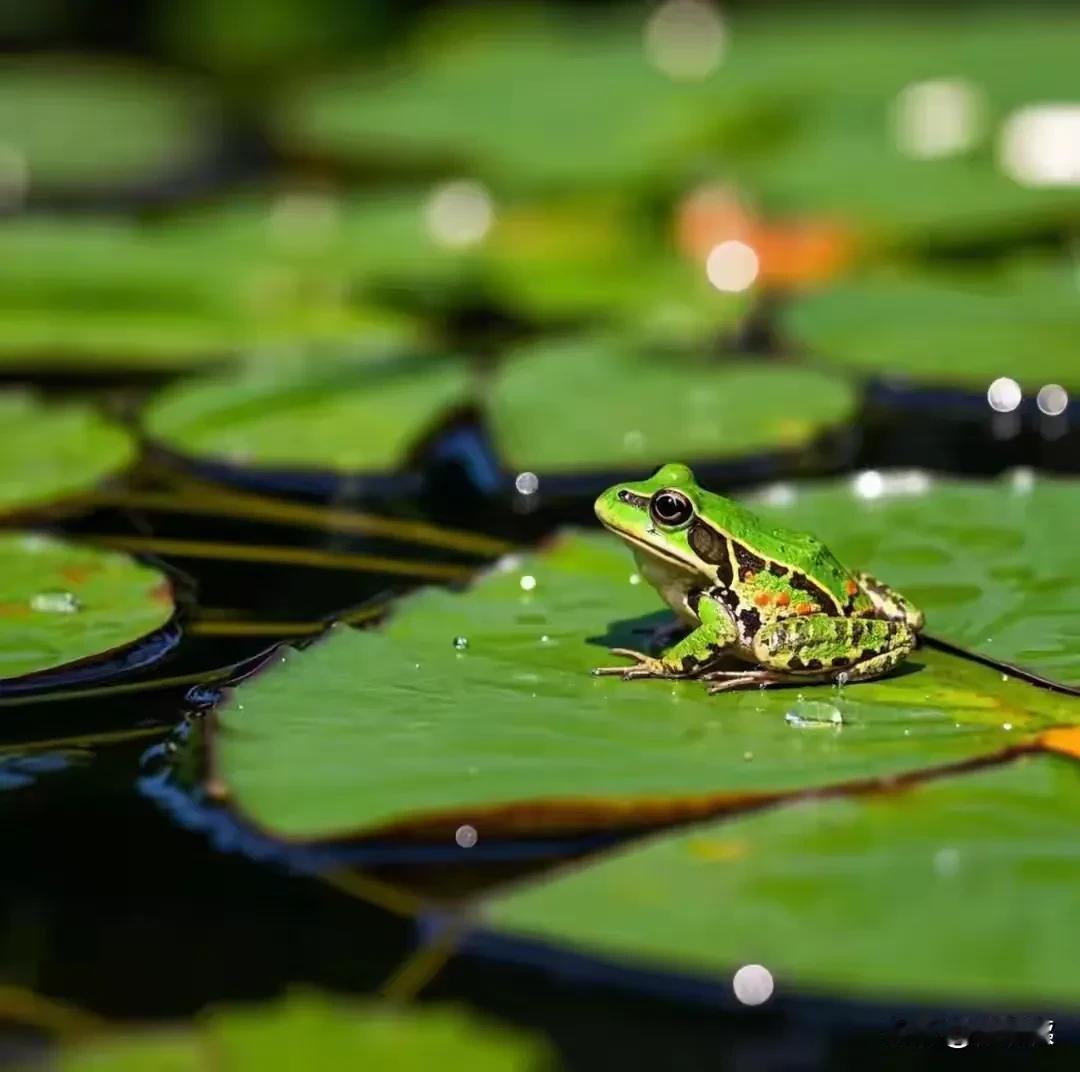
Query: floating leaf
[[76, 293], [958, 891], [308, 1030], [963, 331], [336, 416], [564, 263], [84, 125], [896, 126], [61, 603], [986, 561], [50, 452], [590, 404], [480, 709], [531, 98]]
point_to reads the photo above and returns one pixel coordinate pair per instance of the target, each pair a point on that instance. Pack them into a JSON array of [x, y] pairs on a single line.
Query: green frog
[[771, 597]]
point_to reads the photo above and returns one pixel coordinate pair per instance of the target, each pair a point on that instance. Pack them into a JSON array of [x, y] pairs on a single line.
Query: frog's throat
[[652, 550]]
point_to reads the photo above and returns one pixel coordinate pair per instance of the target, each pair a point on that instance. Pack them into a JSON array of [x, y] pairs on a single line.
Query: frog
[[750, 592]]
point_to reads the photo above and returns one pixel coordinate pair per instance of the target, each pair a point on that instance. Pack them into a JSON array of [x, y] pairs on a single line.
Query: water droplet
[[1004, 677], [635, 578], [459, 214], [466, 836], [1052, 399], [528, 582], [1004, 395], [56, 602], [813, 713], [753, 984], [956, 1042], [545, 639], [946, 862], [1006, 726], [869, 484], [461, 643], [748, 756], [526, 483]]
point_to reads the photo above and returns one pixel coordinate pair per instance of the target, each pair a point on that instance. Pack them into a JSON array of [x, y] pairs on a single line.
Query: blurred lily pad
[[479, 709], [593, 262], [908, 130], [337, 415], [307, 1030], [61, 603], [962, 331], [94, 293], [959, 891], [990, 563], [50, 452], [531, 98], [593, 404], [76, 124]]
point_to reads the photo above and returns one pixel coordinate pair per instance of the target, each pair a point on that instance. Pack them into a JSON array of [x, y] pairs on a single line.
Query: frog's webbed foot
[[729, 680], [644, 666]]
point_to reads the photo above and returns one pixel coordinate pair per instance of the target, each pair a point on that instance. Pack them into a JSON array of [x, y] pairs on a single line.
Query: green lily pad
[[590, 404], [80, 124], [101, 293], [959, 891], [591, 261], [532, 98], [959, 331], [51, 452], [335, 416], [61, 602], [480, 709], [309, 1030], [894, 125], [990, 563]]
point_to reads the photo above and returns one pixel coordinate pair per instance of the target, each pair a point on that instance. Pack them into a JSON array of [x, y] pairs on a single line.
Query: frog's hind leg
[[889, 603], [820, 647]]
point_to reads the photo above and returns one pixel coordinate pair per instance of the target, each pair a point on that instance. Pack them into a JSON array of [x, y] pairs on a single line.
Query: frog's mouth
[[650, 549]]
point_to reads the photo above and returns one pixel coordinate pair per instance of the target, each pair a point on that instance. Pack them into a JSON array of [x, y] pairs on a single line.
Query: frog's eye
[[670, 508]]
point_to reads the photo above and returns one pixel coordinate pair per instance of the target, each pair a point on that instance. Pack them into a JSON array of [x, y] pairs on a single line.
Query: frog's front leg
[[715, 634]]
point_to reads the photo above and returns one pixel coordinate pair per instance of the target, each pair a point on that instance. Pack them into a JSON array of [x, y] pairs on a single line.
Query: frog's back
[[801, 553]]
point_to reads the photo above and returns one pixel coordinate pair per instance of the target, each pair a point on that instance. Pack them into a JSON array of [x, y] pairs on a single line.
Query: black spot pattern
[[750, 621], [634, 500], [711, 547], [748, 560], [777, 570], [840, 660], [728, 597], [693, 599]]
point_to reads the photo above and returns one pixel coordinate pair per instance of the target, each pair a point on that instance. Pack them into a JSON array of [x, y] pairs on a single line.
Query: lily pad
[[80, 124], [986, 561], [590, 261], [958, 891], [480, 709], [101, 293], [956, 331], [336, 416], [532, 98], [50, 452], [898, 126], [61, 603], [309, 1030], [593, 404]]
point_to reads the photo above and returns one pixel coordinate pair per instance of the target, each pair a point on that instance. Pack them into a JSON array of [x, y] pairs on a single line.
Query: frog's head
[[655, 516]]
